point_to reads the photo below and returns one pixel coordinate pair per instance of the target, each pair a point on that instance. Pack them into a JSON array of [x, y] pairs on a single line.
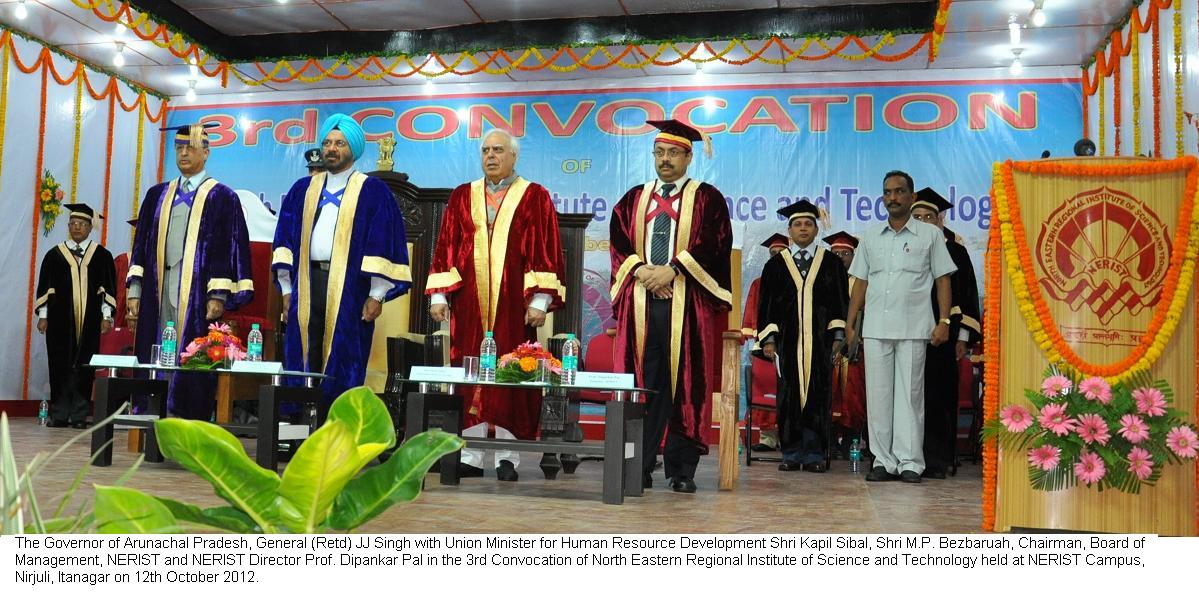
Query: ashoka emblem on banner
[[1106, 250]]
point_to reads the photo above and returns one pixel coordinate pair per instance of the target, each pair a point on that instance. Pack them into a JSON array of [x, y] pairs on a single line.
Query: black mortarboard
[[776, 240], [841, 239], [800, 209], [191, 134], [81, 210], [927, 198], [131, 222], [680, 134], [313, 157]]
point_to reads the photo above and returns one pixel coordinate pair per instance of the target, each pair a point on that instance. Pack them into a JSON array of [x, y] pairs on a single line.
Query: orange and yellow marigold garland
[[991, 372], [1018, 261]]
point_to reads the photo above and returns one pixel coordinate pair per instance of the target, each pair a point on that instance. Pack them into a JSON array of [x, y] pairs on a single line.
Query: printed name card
[[604, 380], [424, 373], [113, 361], [258, 367]]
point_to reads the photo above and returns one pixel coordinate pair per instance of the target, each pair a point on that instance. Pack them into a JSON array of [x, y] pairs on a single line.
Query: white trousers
[[474, 457], [895, 403]]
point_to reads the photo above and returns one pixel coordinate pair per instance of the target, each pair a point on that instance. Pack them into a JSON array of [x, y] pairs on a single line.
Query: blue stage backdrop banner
[[774, 144]]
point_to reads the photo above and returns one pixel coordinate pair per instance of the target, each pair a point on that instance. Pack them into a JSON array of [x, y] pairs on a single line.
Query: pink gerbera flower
[[1183, 442], [1046, 457], [1055, 386], [1015, 418], [1089, 468], [1053, 418], [1150, 401], [1140, 462], [1092, 428], [1133, 429], [1096, 389]]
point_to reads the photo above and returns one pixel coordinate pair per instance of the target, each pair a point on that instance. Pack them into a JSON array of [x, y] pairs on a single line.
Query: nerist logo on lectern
[[1106, 250]]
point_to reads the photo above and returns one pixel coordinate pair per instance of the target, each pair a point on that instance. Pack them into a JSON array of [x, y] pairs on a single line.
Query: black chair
[[750, 405], [403, 352]]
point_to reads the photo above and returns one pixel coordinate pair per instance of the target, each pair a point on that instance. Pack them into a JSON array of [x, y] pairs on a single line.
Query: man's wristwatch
[[945, 321]]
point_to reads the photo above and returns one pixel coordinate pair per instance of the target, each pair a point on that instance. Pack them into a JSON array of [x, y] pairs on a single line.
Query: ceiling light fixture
[[1017, 66], [118, 59], [191, 90], [1038, 17], [1013, 29], [21, 12]]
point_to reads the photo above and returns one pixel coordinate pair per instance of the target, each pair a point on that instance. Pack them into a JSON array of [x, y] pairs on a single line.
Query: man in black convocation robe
[[75, 303], [941, 390], [801, 319]]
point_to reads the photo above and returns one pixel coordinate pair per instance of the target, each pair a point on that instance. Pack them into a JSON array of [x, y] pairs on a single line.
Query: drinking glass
[[470, 369]]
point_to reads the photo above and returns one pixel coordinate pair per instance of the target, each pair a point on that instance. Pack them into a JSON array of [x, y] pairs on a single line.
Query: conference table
[[152, 381], [439, 403]]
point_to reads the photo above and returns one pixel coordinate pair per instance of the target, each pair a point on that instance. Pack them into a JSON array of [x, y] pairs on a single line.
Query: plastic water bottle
[[170, 346], [855, 455], [313, 416], [487, 355], [254, 344], [570, 359], [43, 413]]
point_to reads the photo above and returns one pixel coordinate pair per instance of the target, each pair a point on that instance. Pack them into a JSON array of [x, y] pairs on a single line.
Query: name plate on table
[[258, 367], [424, 373], [113, 361], [604, 380]]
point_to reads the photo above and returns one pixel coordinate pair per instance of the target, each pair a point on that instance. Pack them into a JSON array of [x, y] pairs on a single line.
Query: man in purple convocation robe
[[340, 252], [190, 263]]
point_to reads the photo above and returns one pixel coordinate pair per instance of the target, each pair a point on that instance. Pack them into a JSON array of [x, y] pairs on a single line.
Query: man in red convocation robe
[[74, 307], [189, 264], [765, 378], [671, 241], [498, 261], [340, 253], [801, 321], [849, 371], [941, 369]]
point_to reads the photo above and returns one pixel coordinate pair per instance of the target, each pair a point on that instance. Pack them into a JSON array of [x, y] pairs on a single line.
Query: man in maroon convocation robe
[[74, 307], [849, 371], [190, 263], [498, 262], [340, 253], [670, 242], [801, 322], [941, 366], [767, 420]]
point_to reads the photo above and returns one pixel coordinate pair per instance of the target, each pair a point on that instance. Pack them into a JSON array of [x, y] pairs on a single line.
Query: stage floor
[[765, 501]]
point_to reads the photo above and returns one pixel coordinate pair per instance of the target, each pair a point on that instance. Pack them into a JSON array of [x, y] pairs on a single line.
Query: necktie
[[803, 261], [187, 185], [660, 248], [77, 251], [186, 194]]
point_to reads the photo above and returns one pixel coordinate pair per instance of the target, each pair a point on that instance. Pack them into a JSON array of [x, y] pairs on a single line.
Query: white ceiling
[[976, 35]]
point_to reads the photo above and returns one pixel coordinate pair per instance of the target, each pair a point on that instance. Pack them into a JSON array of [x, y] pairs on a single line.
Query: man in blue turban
[[340, 252]]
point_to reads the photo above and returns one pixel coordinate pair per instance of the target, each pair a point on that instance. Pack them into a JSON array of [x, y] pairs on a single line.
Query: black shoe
[[79, 425], [763, 448], [469, 471], [647, 480], [909, 477], [57, 423], [880, 474], [506, 472], [790, 466], [935, 473], [684, 485], [817, 467]]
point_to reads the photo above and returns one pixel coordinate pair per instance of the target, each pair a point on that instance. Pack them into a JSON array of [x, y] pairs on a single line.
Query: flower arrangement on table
[[521, 365], [50, 196], [1085, 430], [216, 349]]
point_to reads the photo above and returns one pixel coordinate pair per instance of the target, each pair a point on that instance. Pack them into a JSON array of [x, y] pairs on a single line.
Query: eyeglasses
[[843, 253], [337, 143], [673, 153], [925, 217]]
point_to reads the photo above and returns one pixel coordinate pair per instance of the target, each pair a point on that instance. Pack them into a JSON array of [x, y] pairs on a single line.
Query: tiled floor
[[765, 500]]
